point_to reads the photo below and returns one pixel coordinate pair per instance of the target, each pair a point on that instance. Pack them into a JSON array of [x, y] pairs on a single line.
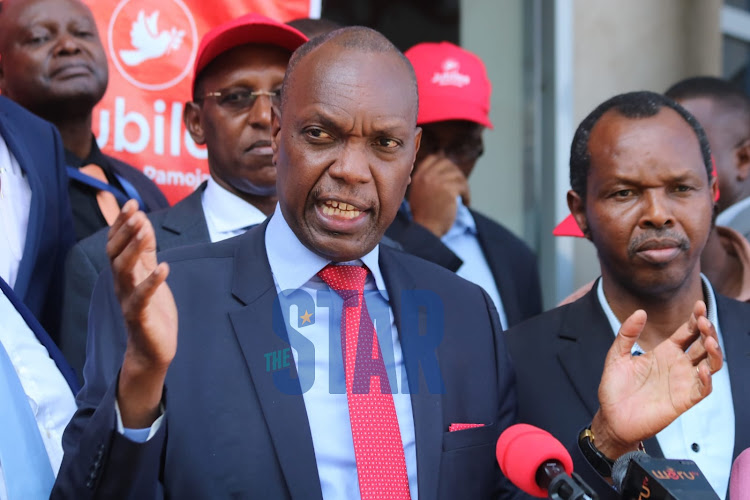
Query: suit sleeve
[[98, 461], [82, 267]]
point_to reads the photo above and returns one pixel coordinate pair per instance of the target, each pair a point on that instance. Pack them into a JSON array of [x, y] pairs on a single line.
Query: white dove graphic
[[148, 42]]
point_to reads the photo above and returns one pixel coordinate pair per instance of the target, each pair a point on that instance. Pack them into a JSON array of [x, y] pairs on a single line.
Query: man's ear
[[275, 132], [577, 208], [191, 117], [742, 160], [417, 143]]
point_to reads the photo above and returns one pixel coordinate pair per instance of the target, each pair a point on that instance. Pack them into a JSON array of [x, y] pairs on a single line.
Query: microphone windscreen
[[739, 482], [522, 449]]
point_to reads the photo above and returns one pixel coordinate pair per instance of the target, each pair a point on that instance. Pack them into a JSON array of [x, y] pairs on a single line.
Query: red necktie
[[381, 466]]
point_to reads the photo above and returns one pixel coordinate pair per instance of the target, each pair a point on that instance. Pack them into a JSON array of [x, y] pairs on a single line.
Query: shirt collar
[[293, 264], [227, 211], [708, 296], [95, 157], [463, 223]]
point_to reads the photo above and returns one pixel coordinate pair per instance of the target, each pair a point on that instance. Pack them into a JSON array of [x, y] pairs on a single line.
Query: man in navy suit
[[255, 399], [53, 64], [642, 191], [37, 228]]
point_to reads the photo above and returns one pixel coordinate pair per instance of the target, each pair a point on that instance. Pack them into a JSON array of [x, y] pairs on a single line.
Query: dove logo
[[152, 44]]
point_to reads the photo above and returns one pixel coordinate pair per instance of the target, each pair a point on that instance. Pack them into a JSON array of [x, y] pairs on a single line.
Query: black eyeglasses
[[242, 99]]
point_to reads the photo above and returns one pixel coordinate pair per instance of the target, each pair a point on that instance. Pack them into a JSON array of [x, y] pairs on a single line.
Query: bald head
[[352, 38]]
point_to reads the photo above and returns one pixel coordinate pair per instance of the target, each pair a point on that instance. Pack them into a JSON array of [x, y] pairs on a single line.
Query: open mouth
[[340, 209]]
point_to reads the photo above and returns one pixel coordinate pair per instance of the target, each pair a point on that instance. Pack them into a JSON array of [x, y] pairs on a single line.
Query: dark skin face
[[458, 140], [347, 135], [238, 139], [729, 136], [53, 62], [649, 205]]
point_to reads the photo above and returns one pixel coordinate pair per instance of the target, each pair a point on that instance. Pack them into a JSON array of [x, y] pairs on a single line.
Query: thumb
[[628, 335]]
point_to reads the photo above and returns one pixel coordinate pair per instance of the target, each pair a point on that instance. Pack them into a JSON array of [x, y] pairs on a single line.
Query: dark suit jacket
[[511, 261], [181, 225], [559, 359], [42, 337], [37, 147], [231, 433]]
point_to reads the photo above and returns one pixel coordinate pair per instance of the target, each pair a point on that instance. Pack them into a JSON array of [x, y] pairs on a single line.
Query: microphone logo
[[674, 475], [645, 490]]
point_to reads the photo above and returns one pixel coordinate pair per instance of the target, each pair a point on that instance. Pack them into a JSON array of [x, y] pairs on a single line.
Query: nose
[[260, 113], [352, 166], [67, 44], [656, 212]]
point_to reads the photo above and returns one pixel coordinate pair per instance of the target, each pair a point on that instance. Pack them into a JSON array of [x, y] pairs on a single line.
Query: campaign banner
[[151, 46]]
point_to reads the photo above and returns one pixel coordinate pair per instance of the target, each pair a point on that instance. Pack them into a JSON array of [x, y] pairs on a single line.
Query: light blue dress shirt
[[462, 240], [704, 433], [294, 267]]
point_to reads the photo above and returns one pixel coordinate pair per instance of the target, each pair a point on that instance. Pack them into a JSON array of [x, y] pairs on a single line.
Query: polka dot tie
[[381, 466]]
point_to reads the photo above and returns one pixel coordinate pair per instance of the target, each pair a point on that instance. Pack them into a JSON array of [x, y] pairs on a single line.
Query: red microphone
[[536, 462]]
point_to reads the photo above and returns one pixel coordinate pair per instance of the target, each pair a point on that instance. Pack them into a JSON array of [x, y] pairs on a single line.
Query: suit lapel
[[426, 407], [33, 232], [285, 415], [497, 260], [185, 223], [735, 331]]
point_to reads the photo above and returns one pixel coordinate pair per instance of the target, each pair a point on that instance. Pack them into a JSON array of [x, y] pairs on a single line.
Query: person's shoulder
[[548, 324], [22, 116], [500, 232]]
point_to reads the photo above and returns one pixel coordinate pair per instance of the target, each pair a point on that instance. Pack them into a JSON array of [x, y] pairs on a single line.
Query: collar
[[708, 296], [725, 217], [463, 223], [227, 211], [293, 264], [95, 156]]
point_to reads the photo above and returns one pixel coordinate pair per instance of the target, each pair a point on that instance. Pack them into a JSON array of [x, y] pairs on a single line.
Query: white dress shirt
[[227, 214], [15, 205], [50, 397], [704, 433], [295, 267]]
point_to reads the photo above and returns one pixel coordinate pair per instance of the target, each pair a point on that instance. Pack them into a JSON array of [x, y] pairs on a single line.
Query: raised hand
[[641, 395], [150, 316], [435, 185]]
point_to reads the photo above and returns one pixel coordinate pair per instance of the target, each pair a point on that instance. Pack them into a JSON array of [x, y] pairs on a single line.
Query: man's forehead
[[22, 11]]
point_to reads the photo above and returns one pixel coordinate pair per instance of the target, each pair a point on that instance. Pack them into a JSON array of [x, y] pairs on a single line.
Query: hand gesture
[[641, 395], [435, 186], [150, 315]]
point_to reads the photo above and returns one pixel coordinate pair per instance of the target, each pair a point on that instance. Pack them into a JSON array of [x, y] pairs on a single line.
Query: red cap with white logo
[[250, 28], [453, 84]]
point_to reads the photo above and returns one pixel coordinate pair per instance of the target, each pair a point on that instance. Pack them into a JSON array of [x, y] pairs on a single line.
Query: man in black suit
[[642, 192], [53, 64], [247, 54], [264, 405], [435, 222]]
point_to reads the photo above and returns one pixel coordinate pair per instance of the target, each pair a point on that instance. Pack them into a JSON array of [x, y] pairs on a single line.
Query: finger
[[690, 331], [139, 247], [628, 335], [426, 164], [715, 358], [464, 191], [704, 380], [142, 294], [119, 237], [125, 212]]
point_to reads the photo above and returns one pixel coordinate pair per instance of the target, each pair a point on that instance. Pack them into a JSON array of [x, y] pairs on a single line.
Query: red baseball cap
[[453, 84], [569, 226], [250, 28]]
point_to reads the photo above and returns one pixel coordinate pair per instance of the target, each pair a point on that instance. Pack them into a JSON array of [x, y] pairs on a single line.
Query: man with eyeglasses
[[237, 80], [435, 221]]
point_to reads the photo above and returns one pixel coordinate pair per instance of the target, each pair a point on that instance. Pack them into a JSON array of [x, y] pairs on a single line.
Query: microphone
[[637, 475], [536, 462], [739, 481]]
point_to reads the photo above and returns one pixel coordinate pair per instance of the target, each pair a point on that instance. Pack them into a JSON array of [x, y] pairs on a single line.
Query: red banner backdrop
[[151, 46]]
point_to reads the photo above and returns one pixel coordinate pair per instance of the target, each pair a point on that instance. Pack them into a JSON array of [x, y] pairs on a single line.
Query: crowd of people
[[326, 316]]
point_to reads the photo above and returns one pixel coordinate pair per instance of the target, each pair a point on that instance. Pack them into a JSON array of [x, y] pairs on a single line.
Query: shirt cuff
[[139, 435]]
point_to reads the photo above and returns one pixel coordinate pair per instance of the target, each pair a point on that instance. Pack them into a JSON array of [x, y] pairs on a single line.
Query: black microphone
[[637, 475], [536, 462]]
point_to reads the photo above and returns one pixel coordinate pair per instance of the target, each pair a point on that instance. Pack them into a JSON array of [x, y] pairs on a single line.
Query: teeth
[[340, 209]]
